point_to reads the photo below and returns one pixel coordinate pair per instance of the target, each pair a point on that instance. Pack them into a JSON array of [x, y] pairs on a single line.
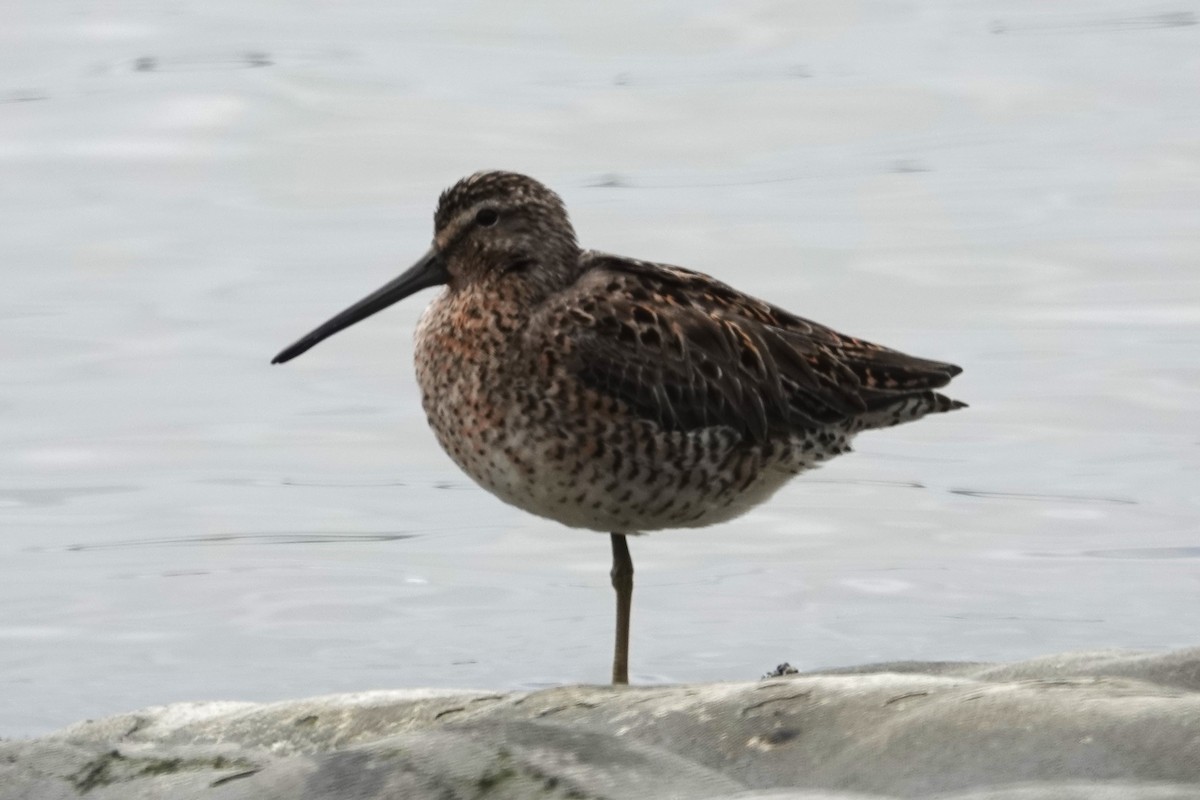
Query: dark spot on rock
[[783, 669], [246, 773], [781, 735]]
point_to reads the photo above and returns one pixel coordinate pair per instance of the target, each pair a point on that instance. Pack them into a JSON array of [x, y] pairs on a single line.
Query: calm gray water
[[187, 187]]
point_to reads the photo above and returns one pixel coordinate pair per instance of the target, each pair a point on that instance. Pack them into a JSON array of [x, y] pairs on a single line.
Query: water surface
[[188, 187]]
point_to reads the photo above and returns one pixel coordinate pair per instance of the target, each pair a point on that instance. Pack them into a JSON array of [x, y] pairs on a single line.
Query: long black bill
[[429, 271]]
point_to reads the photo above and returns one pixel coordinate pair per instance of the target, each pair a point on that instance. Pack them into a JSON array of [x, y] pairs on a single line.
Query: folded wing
[[688, 352]]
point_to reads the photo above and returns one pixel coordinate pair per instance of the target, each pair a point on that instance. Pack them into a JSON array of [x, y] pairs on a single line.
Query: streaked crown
[[494, 225], [506, 190]]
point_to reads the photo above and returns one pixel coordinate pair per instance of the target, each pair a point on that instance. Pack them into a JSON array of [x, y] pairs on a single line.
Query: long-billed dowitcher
[[618, 395]]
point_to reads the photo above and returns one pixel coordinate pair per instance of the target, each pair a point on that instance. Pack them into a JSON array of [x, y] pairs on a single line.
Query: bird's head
[[494, 224], [490, 229]]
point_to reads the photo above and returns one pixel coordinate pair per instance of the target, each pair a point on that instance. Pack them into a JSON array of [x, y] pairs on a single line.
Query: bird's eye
[[487, 217]]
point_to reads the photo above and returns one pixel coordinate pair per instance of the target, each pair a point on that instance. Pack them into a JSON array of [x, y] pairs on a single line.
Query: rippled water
[[1014, 187]]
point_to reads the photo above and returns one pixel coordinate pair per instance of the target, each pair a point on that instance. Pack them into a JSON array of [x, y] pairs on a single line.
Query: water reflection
[[1141, 553], [1042, 498], [55, 496], [315, 537]]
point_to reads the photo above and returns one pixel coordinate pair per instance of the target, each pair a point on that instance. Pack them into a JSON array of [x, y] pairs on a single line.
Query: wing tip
[[948, 403]]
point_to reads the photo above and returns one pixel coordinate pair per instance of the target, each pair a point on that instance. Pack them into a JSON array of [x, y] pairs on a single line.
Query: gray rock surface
[[1080, 726]]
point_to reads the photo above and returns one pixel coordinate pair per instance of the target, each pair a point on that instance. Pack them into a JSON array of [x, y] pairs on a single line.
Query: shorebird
[[619, 395]]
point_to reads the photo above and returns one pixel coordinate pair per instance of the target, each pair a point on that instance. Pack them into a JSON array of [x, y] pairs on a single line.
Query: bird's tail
[[907, 408]]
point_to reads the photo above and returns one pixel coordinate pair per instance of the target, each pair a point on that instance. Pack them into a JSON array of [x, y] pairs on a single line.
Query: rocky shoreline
[[1083, 725]]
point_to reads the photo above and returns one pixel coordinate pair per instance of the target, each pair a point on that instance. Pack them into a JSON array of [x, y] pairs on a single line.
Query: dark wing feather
[[688, 352]]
